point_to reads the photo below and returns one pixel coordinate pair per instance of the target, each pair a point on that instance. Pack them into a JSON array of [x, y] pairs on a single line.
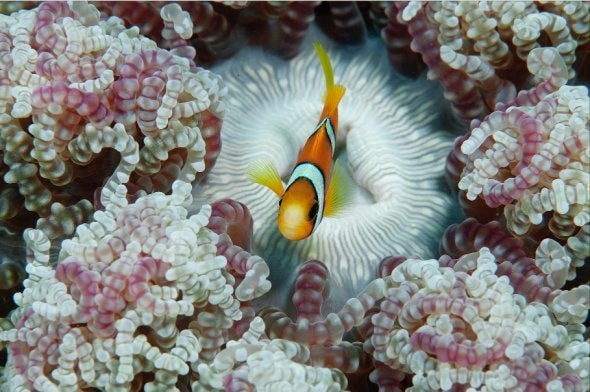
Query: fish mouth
[[293, 234], [290, 223], [292, 231]]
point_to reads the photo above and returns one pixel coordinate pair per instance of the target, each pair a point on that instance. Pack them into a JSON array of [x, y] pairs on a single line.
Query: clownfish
[[317, 186]]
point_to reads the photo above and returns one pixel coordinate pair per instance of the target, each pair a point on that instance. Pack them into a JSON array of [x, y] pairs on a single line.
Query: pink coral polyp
[[68, 79], [142, 282], [531, 157], [464, 326]]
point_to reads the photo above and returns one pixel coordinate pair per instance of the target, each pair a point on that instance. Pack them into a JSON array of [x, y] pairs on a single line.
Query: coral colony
[[152, 264]]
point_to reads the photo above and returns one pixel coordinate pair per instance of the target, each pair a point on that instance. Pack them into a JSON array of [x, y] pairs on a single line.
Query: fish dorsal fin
[[339, 192], [264, 173]]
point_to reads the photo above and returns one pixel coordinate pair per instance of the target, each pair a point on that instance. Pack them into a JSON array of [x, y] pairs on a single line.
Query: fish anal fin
[[265, 174], [339, 191]]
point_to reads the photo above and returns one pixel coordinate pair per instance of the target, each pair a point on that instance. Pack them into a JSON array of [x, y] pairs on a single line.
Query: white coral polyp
[[534, 158], [266, 364], [65, 72], [465, 327], [109, 311]]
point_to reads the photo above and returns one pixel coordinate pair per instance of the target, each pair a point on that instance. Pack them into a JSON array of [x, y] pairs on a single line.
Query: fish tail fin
[[334, 92], [333, 97], [326, 65]]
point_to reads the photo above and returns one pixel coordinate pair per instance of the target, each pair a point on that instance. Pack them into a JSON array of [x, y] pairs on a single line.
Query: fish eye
[[313, 211]]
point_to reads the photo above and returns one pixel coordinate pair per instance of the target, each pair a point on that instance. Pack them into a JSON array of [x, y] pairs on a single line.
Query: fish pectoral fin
[[265, 174], [339, 192]]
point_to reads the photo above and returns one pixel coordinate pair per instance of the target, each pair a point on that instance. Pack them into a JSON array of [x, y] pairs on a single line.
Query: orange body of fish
[[316, 187]]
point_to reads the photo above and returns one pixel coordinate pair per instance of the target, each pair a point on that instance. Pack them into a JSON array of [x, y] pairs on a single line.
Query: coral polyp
[[87, 103], [142, 282]]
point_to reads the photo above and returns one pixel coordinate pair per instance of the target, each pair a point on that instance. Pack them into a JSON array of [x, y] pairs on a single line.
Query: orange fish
[[317, 186]]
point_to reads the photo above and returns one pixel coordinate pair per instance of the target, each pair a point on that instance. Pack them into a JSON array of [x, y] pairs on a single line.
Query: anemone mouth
[[392, 139]]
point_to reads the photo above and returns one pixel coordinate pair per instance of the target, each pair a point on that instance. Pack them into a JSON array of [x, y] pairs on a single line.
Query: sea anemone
[[392, 138]]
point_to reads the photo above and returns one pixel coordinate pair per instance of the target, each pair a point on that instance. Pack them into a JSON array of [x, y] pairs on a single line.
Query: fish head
[[298, 210]]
